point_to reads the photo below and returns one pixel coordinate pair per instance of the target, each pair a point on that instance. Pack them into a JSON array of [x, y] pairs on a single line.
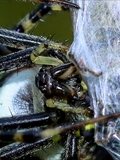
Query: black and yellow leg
[[31, 19]]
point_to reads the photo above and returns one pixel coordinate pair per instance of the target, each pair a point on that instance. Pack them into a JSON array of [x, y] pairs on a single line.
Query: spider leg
[[28, 121], [50, 132], [31, 19], [59, 2], [19, 150], [18, 40], [29, 57]]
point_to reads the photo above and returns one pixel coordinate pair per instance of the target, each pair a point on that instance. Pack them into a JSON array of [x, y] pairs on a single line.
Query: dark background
[[57, 23]]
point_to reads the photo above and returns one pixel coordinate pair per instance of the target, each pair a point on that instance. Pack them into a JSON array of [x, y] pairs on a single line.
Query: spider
[[47, 118]]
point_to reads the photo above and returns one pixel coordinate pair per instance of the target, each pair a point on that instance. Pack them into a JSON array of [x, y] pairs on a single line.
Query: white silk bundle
[[96, 53]]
